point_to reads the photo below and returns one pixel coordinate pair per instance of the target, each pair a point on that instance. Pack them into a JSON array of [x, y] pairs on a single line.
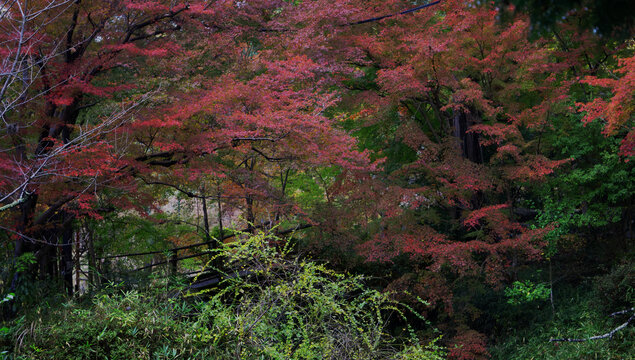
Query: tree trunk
[[220, 217], [205, 217], [27, 209], [250, 213], [78, 270], [468, 142], [251, 219], [67, 256], [92, 263]]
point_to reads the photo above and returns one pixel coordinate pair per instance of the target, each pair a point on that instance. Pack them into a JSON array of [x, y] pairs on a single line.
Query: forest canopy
[[453, 178]]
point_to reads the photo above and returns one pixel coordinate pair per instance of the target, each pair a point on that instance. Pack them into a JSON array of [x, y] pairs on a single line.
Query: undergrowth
[[580, 311], [269, 306]]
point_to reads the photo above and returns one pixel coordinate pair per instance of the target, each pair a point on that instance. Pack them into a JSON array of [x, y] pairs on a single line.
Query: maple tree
[[218, 128], [466, 100], [58, 60], [246, 131], [423, 138]]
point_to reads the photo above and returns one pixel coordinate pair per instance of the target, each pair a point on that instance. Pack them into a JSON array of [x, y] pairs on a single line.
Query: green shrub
[[616, 290], [278, 308], [577, 316], [525, 292]]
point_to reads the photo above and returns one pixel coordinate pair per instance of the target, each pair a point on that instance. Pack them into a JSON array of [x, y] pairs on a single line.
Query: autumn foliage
[[413, 141]]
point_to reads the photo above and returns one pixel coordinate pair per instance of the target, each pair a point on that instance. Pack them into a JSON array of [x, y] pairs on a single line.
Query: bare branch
[[608, 335]]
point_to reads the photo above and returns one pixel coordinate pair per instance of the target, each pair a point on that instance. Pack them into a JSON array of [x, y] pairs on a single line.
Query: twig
[[420, 7]]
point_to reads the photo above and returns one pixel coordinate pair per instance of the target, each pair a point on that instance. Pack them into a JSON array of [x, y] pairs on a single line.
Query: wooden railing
[[173, 259]]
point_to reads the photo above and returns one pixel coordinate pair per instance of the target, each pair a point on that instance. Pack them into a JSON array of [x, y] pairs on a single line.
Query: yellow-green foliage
[[280, 308]]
